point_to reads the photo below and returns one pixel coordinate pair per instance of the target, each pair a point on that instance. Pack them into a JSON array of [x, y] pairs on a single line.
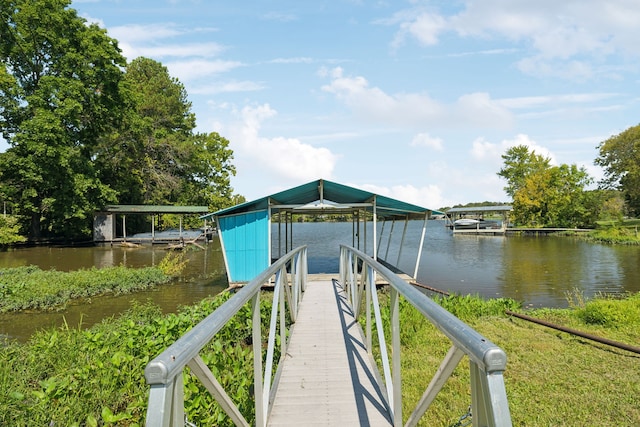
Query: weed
[[173, 264], [29, 287]]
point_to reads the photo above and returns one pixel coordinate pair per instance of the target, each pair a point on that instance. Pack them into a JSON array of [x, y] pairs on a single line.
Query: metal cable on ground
[[596, 338], [429, 288]]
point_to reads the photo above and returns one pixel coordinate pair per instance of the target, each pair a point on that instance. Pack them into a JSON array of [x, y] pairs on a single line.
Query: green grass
[[616, 232], [552, 378]]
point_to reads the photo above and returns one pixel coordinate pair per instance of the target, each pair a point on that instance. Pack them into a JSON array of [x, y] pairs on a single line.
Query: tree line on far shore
[[546, 195]]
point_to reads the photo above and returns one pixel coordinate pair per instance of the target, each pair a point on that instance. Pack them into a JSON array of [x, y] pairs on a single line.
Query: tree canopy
[[620, 158], [519, 164], [59, 92], [86, 129], [545, 195], [155, 157]]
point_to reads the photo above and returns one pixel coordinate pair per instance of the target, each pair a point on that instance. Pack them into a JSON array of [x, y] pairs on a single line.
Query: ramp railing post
[[395, 357], [487, 361], [164, 373], [261, 419]]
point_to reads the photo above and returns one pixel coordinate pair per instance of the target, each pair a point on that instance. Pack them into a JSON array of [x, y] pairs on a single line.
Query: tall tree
[[555, 197], [145, 160], [59, 91], [208, 181], [545, 195], [520, 163], [620, 158], [156, 158]]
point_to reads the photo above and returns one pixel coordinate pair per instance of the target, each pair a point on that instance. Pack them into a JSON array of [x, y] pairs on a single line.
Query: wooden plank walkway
[[327, 377]]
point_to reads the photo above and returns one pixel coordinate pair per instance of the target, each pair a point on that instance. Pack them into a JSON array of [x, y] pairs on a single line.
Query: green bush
[[611, 313], [9, 230], [29, 287], [470, 307]]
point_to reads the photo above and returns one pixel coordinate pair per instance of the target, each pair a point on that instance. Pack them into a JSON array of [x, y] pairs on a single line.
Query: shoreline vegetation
[[30, 288], [616, 232], [69, 376]]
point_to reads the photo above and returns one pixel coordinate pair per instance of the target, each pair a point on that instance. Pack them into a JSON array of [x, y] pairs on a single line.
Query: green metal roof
[[498, 208], [155, 209], [326, 197]]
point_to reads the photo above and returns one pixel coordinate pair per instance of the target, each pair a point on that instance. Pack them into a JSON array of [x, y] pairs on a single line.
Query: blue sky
[[416, 100]]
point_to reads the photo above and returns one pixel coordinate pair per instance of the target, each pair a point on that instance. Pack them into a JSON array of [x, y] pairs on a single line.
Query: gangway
[[326, 374]]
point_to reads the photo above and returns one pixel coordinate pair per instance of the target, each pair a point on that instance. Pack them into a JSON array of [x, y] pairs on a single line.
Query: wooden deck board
[[327, 378]]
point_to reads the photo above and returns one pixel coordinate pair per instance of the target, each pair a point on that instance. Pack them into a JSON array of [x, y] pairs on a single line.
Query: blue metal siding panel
[[246, 244]]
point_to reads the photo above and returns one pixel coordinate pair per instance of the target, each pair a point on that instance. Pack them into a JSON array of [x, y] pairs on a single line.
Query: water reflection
[[537, 271]]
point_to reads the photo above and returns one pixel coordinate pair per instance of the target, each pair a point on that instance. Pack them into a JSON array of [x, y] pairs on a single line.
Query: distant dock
[[516, 231], [113, 217]]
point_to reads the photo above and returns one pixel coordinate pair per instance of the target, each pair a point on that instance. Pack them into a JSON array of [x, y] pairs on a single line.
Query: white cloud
[[425, 28], [283, 159], [570, 70], [205, 50], [426, 140], [216, 87], [138, 34], [479, 109], [567, 38], [492, 153], [194, 69], [296, 60], [484, 150], [555, 100], [413, 109], [280, 17], [429, 196]]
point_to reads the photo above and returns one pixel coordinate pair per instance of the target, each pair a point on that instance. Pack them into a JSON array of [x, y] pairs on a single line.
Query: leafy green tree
[[59, 91], [612, 205], [10, 230], [210, 169], [156, 158], [146, 159], [620, 158], [547, 196], [520, 163]]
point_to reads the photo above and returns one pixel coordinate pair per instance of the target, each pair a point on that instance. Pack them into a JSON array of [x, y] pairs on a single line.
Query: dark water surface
[[538, 271]]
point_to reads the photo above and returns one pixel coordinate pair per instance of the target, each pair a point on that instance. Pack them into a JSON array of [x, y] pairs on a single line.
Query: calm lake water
[[538, 271]]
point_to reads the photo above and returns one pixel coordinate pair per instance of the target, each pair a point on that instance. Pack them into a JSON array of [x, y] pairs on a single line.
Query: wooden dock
[[328, 378]]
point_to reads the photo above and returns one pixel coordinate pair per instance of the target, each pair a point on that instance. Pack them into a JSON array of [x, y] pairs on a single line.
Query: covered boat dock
[[474, 220], [247, 238], [105, 223]]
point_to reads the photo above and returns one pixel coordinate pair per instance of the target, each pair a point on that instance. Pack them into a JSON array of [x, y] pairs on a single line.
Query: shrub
[[611, 313]]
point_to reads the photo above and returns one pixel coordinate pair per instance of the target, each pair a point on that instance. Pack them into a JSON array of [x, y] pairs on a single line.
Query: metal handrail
[[487, 361], [164, 373]]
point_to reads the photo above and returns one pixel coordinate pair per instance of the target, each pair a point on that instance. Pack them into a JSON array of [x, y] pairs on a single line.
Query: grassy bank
[[616, 232], [552, 378], [30, 288], [95, 377]]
